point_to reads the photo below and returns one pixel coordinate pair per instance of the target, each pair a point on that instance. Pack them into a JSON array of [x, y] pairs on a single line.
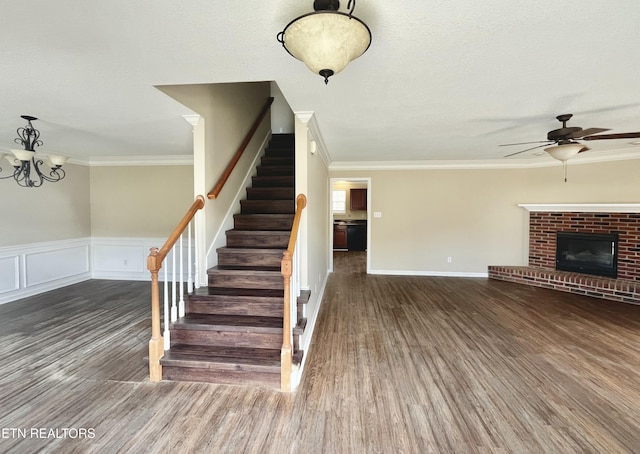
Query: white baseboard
[[429, 273]]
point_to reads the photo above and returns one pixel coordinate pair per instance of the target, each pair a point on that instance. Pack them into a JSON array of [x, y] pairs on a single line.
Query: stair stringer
[[305, 339], [219, 239]]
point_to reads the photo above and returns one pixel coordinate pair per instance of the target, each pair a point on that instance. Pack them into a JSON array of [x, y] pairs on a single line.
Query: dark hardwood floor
[[397, 364]]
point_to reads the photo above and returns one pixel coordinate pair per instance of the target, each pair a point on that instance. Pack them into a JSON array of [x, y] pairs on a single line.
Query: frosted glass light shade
[[565, 151], [11, 159], [326, 40], [23, 155], [57, 160]]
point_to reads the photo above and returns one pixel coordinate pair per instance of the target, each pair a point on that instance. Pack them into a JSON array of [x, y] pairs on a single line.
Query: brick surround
[[544, 225], [541, 271]]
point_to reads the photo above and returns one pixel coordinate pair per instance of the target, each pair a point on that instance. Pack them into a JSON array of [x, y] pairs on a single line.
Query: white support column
[[189, 263]]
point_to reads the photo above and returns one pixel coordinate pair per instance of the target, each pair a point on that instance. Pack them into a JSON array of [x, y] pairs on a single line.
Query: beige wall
[[139, 201], [54, 211], [472, 215]]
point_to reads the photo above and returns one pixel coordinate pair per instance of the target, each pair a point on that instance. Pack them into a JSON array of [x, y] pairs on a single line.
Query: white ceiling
[[441, 81]]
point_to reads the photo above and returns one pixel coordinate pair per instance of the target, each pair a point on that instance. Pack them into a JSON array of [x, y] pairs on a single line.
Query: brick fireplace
[[546, 220]]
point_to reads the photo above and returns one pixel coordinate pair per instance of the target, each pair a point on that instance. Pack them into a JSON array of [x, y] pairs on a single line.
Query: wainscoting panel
[[47, 266], [30, 269], [9, 273], [126, 258]]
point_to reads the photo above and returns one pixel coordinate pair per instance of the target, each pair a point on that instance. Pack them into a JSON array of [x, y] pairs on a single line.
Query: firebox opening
[[589, 253]]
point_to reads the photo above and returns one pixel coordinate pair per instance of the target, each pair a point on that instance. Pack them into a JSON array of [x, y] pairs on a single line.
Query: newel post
[[156, 344], [286, 357]]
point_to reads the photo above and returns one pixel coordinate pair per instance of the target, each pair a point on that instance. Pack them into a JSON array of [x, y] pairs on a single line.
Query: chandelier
[[28, 169], [326, 40]]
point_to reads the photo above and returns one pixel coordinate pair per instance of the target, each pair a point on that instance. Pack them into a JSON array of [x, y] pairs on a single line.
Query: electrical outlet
[[449, 260], [377, 214]]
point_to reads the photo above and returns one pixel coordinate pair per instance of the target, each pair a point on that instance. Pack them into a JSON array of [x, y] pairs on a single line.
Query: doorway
[[350, 220]]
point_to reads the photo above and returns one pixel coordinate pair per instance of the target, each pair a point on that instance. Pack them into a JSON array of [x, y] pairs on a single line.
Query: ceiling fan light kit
[[326, 40], [565, 151], [27, 167]]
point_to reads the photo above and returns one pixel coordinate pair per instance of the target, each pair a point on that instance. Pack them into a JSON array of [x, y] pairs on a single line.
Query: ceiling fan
[[565, 139]]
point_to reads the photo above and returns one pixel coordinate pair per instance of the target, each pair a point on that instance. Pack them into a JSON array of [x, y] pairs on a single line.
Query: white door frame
[[332, 181]]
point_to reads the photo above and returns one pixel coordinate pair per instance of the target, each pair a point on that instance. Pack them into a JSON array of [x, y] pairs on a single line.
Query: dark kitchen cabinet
[[339, 236], [350, 235], [358, 199]]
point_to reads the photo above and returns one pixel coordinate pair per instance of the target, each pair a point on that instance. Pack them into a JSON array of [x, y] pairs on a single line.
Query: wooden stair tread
[[298, 330], [198, 356], [238, 292], [250, 250], [218, 322], [239, 271]]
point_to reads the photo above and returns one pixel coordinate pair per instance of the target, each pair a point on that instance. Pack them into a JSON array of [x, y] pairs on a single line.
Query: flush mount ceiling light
[[326, 40], [27, 169]]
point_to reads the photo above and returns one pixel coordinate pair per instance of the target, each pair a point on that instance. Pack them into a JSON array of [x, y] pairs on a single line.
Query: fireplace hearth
[[588, 253]]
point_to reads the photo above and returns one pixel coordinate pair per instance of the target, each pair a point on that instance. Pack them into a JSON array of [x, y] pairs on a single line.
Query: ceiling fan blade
[[622, 135], [584, 149], [528, 149], [526, 143], [587, 132]]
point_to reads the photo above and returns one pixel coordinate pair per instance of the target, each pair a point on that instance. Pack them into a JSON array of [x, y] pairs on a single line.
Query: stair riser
[[267, 206], [226, 338], [275, 170], [264, 241], [222, 280], [249, 223], [278, 150], [278, 181], [262, 309], [267, 380], [270, 193], [277, 161], [271, 259]]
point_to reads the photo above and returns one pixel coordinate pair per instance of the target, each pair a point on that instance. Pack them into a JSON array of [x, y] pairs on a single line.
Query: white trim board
[[429, 273], [583, 207]]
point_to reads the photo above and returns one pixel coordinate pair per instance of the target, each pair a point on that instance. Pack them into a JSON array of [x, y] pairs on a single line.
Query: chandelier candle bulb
[[26, 165]]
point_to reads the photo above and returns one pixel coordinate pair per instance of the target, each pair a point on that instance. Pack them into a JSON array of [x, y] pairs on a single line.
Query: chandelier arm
[[351, 7]]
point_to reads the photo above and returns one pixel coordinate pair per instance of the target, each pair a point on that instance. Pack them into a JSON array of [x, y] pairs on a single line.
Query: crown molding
[[115, 161], [309, 118], [487, 164]]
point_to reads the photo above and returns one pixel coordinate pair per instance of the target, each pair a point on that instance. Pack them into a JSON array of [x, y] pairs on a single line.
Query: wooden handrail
[[286, 267], [161, 253], [154, 263], [236, 157]]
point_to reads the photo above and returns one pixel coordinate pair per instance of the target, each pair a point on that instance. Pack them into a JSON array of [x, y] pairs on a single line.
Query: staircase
[[232, 330]]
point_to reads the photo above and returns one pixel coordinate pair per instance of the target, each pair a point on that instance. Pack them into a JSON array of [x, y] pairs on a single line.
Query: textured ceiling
[[441, 81]]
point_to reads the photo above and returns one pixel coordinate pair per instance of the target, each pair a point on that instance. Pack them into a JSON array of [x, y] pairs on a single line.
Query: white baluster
[[166, 335], [197, 256], [189, 264], [174, 307], [181, 303]]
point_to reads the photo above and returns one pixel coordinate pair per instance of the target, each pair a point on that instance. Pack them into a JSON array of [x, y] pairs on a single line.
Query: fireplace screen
[[588, 253]]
